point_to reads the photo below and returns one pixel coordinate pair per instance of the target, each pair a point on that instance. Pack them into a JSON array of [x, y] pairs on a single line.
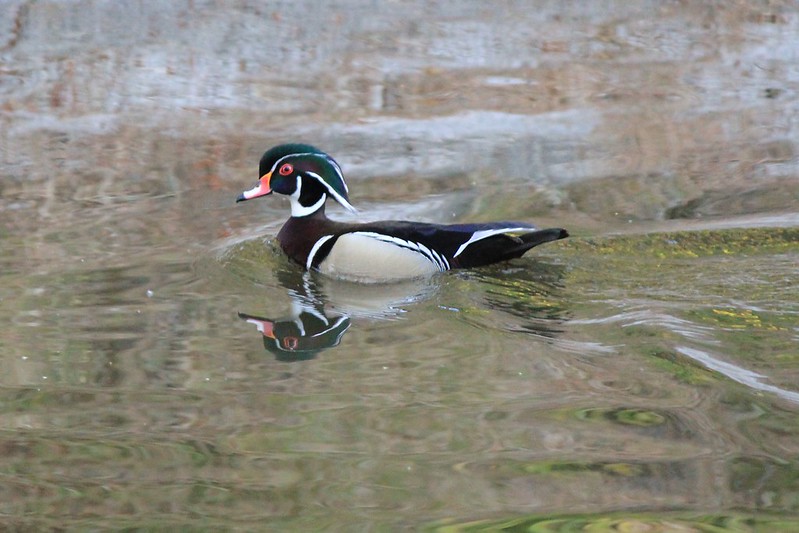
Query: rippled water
[[165, 366]]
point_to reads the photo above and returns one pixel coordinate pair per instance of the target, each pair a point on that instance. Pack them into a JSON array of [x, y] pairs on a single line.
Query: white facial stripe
[[484, 234], [434, 257], [318, 244], [323, 156], [339, 172], [297, 154], [340, 199]]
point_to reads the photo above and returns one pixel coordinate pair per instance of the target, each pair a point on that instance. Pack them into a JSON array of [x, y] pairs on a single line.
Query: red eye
[[291, 343], [286, 169]]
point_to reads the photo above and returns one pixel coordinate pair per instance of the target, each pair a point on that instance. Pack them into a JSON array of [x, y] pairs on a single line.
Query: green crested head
[[276, 153], [304, 173]]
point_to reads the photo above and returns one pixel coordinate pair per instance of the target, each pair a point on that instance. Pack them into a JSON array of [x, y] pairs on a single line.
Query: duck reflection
[[307, 329], [322, 309], [301, 335], [321, 315]]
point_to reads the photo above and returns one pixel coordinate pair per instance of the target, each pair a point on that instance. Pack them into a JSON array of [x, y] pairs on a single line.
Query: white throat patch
[[299, 210]]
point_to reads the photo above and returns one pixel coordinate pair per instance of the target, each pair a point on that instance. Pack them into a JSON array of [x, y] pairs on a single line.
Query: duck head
[[305, 174]]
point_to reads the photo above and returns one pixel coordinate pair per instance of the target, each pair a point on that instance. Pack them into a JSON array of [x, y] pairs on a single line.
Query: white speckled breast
[[363, 256]]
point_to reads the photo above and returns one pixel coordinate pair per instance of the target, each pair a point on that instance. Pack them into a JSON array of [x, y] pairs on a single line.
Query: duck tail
[[503, 246]]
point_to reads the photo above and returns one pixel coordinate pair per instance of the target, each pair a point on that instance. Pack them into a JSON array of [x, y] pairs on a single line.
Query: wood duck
[[375, 251]]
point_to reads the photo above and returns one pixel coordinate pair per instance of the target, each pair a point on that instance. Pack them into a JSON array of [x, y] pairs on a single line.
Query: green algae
[[690, 244], [628, 522]]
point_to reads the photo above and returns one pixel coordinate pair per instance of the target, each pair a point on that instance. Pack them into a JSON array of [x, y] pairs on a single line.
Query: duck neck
[[299, 210]]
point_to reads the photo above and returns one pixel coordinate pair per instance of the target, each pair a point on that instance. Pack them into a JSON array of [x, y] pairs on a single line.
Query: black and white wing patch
[[436, 258], [486, 233]]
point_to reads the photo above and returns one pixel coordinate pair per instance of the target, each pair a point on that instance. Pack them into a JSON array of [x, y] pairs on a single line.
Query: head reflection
[[301, 336]]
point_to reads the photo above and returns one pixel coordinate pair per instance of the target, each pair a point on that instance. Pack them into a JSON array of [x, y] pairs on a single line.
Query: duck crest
[[307, 175]]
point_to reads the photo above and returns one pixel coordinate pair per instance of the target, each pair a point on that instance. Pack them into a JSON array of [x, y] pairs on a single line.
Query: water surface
[[165, 366]]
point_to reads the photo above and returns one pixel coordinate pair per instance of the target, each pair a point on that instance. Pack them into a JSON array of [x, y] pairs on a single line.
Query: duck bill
[[262, 189], [264, 325]]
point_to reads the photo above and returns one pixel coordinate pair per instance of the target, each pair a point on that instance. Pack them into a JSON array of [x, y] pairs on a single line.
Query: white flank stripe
[[442, 260], [480, 235], [318, 244]]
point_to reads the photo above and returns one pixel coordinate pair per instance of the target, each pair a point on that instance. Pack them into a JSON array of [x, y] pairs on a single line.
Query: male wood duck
[[375, 251]]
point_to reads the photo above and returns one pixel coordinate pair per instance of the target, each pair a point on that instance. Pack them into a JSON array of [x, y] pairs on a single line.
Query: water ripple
[[649, 317], [736, 373]]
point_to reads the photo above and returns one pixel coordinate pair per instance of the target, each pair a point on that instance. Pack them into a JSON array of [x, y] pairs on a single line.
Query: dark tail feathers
[[533, 239], [504, 247]]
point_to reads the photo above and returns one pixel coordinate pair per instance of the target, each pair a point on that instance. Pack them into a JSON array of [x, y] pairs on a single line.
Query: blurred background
[[644, 110], [641, 374]]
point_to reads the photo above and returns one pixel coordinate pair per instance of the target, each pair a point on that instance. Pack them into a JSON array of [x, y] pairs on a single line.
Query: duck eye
[[286, 169]]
